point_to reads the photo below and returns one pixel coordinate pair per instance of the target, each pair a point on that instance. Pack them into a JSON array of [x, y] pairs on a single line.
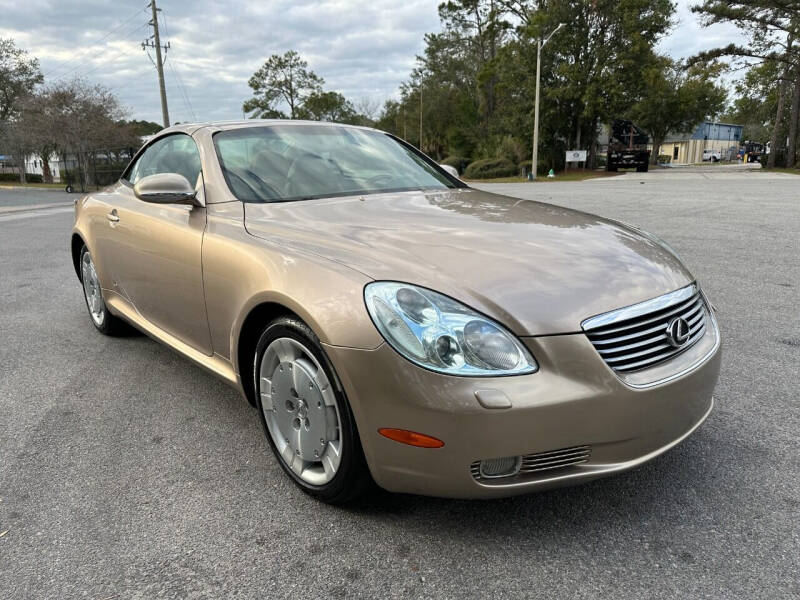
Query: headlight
[[443, 335]]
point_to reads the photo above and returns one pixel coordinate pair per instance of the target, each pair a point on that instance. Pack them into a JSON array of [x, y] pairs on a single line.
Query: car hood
[[537, 268]]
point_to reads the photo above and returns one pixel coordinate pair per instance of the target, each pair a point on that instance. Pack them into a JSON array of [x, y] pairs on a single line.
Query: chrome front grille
[[542, 461], [636, 337]]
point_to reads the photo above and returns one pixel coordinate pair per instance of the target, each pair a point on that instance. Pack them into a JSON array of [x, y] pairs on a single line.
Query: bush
[[489, 168], [664, 159], [29, 177], [457, 162]]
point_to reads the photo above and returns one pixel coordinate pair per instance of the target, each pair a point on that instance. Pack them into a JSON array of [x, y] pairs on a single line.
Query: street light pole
[[539, 45]]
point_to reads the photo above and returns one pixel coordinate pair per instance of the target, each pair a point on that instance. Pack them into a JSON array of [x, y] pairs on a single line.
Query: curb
[[30, 187], [14, 209]]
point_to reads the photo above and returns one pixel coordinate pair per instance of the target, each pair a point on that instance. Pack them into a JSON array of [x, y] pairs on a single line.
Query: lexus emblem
[[678, 332]]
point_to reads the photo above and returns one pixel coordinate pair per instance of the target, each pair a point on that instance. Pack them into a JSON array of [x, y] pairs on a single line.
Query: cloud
[[361, 49], [689, 37]]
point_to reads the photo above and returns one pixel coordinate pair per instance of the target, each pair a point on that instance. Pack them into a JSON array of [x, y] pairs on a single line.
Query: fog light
[[501, 467]]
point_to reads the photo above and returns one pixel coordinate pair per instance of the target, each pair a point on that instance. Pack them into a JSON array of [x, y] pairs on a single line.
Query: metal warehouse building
[[688, 147]]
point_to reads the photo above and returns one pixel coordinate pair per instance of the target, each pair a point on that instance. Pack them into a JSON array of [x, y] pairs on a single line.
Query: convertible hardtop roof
[[239, 124]]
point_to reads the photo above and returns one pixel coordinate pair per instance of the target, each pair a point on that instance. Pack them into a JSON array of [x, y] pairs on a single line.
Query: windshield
[[281, 163]]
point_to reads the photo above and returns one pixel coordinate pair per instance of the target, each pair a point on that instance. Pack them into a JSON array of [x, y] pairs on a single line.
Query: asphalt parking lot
[[127, 472]]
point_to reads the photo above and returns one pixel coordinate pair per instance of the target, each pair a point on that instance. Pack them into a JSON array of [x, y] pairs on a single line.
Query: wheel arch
[[250, 331], [76, 244]]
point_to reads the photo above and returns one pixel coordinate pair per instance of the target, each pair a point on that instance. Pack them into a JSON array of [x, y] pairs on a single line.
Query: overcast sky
[[363, 49]]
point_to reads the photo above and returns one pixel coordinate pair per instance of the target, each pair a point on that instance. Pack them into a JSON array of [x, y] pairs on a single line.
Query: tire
[[101, 318], [288, 356], [612, 169], [642, 168], [68, 189]]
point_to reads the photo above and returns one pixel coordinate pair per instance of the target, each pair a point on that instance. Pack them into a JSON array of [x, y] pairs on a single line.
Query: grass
[[577, 175], [782, 170], [17, 184]]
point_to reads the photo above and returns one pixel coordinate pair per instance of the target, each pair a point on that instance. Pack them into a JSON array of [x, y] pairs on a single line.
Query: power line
[[66, 61], [186, 101], [105, 60], [182, 89]]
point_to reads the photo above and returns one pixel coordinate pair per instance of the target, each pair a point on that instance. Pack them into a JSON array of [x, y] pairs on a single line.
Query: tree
[[15, 137], [281, 80], [74, 118], [676, 99], [368, 110], [760, 106], [598, 59], [772, 28], [142, 128], [19, 74], [327, 106], [476, 78], [478, 27]]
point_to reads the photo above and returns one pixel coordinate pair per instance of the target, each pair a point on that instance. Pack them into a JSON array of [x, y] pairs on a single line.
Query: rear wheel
[[103, 320], [306, 417]]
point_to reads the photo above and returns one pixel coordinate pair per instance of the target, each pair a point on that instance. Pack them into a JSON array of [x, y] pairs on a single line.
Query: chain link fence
[[93, 169]]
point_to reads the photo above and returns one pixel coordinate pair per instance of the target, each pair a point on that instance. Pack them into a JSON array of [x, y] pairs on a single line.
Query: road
[[127, 472]]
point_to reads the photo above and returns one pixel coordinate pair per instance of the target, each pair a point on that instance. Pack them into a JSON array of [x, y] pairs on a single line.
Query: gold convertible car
[[392, 324]]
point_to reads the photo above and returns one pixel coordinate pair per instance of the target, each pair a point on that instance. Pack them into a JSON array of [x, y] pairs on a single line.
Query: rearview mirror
[[166, 188], [451, 170]]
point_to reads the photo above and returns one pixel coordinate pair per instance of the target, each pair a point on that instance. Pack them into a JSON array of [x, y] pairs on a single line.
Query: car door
[[156, 248]]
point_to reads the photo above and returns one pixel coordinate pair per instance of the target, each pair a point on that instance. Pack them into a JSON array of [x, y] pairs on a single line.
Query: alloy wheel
[[300, 411], [91, 289]]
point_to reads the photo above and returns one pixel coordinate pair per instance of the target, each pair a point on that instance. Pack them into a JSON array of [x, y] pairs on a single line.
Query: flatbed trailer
[[627, 147]]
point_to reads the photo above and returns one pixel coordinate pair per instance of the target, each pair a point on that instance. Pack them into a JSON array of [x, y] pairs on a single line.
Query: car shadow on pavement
[[660, 489]]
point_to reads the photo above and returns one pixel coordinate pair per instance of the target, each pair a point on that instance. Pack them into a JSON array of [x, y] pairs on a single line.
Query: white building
[[34, 165]]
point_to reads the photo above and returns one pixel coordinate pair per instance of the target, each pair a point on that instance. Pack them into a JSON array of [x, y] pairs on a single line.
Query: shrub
[[29, 177], [664, 159], [457, 162], [489, 168]]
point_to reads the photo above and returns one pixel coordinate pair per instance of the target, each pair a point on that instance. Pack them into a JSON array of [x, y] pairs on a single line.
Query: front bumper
[[573, 400]]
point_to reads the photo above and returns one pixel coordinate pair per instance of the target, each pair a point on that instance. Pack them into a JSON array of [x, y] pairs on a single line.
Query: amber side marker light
[[411, 438]]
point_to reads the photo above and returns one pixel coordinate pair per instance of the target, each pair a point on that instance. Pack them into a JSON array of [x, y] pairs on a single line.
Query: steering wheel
[[382, 180], [303, 179], [271, 192]]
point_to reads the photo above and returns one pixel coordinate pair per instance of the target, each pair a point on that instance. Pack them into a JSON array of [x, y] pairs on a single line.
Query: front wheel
[[103, 320], [306, 417]]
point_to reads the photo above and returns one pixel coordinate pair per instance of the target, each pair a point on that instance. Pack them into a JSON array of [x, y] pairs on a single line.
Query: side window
[[172, 154]]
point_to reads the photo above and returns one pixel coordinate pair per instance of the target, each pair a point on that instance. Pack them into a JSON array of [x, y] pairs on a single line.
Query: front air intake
[[541, 461]]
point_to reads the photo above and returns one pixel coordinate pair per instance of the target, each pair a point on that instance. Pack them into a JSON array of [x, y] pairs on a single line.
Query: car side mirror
[[166, 188], [451, 171]]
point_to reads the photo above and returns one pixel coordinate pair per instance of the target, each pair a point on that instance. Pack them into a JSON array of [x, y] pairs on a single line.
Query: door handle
[[112, 216]]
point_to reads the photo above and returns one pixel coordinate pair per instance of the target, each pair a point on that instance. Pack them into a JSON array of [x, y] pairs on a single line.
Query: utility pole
[[159, 62], [539, 45], [420, 116]]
